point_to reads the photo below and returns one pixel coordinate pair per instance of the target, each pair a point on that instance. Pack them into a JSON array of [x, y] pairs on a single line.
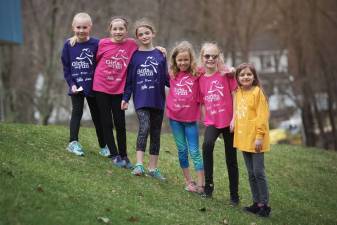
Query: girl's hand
[[74, 89], [124, 105], [162, 49], [231, 126], [228, 71], [232, 71], [258, 145]]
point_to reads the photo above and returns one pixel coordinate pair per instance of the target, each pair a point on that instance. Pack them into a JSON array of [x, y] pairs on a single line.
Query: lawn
[[42, 183]]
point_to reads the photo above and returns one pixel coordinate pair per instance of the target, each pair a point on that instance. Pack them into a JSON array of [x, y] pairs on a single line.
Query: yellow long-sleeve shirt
[[251, 119]]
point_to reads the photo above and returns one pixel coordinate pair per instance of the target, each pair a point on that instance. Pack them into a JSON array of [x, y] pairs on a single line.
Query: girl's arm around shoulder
[[227, 71], [167, 75], [102, 45], [128, 88], [162, 50], [233, 85]]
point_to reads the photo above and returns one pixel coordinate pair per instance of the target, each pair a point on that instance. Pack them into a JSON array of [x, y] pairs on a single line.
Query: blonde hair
[[144, 22], [118, 18], [221, 61], [79, 16], [183, 46]]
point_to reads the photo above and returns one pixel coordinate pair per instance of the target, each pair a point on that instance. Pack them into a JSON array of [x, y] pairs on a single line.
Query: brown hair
[[256, 81], [183, 46], [144, 22], [121, 18]]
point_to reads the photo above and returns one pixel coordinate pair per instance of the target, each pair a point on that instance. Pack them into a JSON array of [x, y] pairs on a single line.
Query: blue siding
[[10, 22]]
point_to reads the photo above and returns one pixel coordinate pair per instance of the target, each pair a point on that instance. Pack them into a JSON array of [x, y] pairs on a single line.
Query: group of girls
[[109, 71]]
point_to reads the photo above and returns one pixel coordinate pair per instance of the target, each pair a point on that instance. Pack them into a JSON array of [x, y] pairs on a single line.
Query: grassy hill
[[41, 183]]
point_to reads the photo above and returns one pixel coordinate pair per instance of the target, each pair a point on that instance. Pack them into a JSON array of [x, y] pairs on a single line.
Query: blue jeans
[[186, 136]]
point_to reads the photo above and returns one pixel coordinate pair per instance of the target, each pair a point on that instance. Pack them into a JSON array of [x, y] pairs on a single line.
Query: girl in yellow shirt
[[251, 134]]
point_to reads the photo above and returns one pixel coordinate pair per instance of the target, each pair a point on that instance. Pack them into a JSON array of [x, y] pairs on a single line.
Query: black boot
[[264, 211], [208, 191], [252, 209]]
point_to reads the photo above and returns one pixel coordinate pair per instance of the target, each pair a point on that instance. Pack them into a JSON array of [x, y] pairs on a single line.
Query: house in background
[[10, 34], [271, 62], [10, 22]]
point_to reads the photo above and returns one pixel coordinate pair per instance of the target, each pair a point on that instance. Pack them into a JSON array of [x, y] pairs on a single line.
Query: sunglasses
[[207, 56]]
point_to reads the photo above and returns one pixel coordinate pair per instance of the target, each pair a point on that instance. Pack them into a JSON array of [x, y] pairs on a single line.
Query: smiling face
[[183, 60], [118, 30], [210, 57], [82, 28], [145, 35], [246, 78]]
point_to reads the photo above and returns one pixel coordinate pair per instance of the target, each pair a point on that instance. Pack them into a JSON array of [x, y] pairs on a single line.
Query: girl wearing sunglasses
[[216, 91]]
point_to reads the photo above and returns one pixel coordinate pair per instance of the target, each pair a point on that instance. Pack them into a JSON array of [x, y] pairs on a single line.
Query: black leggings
[[110, 108], [211, 134], [150, 121], [76, 116]]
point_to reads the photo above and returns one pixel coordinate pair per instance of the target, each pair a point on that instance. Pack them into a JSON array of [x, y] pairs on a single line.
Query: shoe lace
[[157, 173], [104, 150], [76, 146], [117, 160], [139, 168]]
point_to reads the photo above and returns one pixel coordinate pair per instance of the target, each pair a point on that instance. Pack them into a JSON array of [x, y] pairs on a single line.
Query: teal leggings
[[186, 136]]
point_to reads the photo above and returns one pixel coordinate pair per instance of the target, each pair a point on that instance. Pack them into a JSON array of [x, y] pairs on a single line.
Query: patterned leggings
[[186, 136], [150, 121]]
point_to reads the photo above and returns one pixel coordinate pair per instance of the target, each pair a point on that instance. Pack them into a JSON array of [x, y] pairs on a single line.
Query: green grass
[[41, 183]]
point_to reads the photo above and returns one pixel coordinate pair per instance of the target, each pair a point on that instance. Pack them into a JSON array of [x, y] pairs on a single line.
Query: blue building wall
[[10, 22]]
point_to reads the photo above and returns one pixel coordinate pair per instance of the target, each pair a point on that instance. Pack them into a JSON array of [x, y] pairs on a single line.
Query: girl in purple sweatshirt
[[78, 59], [146, 80]]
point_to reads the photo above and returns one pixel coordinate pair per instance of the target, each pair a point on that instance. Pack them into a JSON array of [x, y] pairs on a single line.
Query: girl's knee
[[184, 164], [207, 146], [259, 174], [144, 128]]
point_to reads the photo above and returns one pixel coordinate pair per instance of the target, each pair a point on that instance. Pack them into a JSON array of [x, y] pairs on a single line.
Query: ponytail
[[72, 40]]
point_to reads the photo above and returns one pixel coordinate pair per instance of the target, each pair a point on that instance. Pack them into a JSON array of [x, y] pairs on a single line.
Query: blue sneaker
[[118, 162], [104, 151], [155, 173], [128, 164], [138, 170], [76, 148]]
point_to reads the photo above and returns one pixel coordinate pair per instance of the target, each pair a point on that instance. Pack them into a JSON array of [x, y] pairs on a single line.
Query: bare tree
[[313, 70]]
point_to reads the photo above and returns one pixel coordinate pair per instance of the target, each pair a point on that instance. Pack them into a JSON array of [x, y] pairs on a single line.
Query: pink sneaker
[[191, 187]]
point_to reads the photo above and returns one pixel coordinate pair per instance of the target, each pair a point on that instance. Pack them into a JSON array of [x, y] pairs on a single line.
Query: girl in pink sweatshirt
[[183, 111], [113, 56]]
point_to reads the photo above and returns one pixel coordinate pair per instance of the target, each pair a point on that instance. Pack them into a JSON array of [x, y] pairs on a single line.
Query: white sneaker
[[104, 151], [76, 148]]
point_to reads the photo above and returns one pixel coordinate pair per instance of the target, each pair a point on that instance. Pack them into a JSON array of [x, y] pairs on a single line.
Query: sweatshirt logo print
[[84, 61], [86, 54], [150, 62], [119, 60], [184, 86], [215, 91], [241, 109], [216, 87]]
